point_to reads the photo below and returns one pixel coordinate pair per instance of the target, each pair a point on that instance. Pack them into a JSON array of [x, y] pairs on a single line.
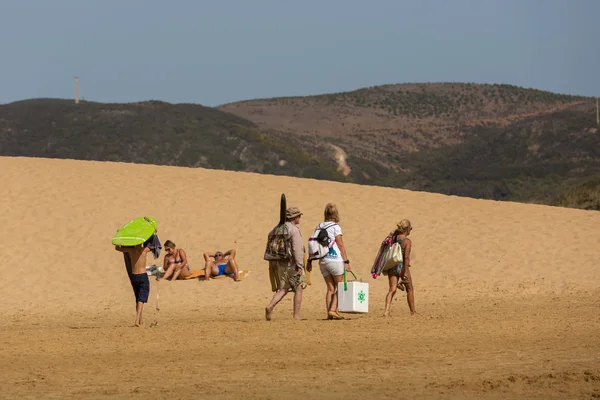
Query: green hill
[[152, 132], [484, 141]]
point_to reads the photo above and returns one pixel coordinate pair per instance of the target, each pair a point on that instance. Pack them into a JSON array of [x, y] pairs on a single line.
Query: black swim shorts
[[141, 287]]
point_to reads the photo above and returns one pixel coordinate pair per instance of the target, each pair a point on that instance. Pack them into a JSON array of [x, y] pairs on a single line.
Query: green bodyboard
[[135, 232]]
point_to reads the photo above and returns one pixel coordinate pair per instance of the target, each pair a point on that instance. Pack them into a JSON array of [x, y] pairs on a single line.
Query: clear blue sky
[[213, 52]]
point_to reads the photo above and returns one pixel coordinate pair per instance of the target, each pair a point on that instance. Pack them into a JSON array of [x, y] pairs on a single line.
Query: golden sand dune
[[507, 293]]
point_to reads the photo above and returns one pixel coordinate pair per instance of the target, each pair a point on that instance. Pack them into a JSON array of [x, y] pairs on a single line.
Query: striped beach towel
[[380, 258]]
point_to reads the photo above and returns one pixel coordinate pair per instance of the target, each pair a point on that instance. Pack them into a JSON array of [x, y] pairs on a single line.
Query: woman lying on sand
[[176, 263], [399, 276]]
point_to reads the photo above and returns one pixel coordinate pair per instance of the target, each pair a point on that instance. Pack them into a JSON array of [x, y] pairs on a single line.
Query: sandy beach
[[508, 294]]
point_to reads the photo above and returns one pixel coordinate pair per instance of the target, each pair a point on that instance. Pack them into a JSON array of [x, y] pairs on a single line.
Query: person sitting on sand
[[399, 276], [175, 264], [220, 263]]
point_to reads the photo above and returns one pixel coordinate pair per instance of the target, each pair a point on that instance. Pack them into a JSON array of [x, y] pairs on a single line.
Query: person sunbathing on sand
[[175, 263], [220, 263], [399, 276]]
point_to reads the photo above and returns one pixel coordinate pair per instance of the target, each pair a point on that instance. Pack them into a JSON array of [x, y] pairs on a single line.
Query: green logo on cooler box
[[361, 296]]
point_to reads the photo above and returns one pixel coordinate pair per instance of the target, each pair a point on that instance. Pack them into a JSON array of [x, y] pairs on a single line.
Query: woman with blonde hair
[[335, 262], [399, 276]]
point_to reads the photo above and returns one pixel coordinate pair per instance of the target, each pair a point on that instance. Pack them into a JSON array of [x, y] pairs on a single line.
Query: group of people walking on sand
[[289, 275]]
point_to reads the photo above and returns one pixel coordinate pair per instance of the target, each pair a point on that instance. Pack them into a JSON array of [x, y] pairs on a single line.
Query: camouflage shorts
[[284, 276]]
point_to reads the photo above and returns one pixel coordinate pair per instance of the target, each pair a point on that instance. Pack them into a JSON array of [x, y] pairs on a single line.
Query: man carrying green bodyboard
[[135, 239]]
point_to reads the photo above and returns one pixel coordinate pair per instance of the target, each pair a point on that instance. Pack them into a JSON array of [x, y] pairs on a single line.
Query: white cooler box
[[355, 299]]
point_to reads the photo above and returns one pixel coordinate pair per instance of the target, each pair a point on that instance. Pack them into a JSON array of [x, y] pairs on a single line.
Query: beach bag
[[393, 256], [319, 243], [279, 244]]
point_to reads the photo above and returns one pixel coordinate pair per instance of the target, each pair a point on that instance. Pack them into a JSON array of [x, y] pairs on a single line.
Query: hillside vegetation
[[152, 132], [455, 101], [485, 141]]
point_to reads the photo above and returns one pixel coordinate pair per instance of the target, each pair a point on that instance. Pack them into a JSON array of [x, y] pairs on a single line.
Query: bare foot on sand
[[387, 314], [268, 313], [334, 316]]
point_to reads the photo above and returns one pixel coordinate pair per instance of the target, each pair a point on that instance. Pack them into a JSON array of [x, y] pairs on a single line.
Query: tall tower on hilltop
[[76, 90]]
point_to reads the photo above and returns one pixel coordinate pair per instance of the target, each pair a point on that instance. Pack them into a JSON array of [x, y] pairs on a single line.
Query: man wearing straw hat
[[288, 275]]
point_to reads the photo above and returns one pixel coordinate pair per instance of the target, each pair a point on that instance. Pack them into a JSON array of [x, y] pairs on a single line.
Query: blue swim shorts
[[222, 269]]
